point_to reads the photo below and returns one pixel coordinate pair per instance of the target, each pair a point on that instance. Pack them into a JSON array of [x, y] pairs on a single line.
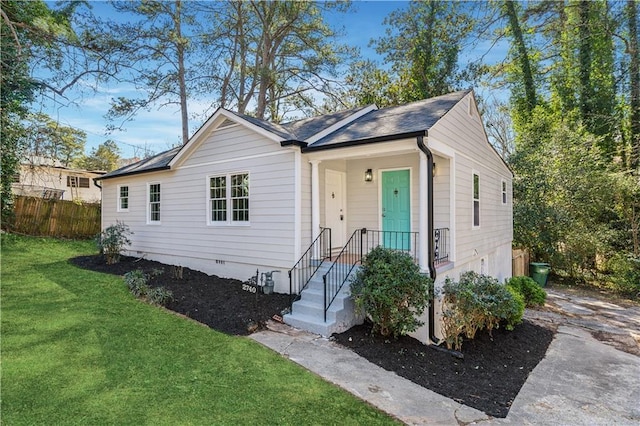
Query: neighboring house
[[48, 178], [245, 194]]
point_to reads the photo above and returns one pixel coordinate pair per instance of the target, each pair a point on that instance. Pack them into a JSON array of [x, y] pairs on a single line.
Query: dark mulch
[[489, 377], [220, 303]]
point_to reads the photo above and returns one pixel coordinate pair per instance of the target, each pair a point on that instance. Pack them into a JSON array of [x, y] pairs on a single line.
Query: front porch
[[319, 283]]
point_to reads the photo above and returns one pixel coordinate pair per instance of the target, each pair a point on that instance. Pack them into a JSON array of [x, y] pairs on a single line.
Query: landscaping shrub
[[532, 293], [137, 281], [477, 302], [113, 240], [159, 296], [391, 291]]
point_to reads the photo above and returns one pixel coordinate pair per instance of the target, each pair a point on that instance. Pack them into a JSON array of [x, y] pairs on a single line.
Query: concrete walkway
[[580, 381]]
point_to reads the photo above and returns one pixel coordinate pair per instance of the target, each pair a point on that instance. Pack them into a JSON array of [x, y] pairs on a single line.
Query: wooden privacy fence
[[55, 218], [520, 262]]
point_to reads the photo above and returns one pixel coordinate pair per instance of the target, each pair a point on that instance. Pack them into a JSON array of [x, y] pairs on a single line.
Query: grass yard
[[77, 348]]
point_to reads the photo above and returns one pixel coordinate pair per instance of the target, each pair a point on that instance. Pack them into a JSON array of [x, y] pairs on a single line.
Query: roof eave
[[293, 142], [133, 172]]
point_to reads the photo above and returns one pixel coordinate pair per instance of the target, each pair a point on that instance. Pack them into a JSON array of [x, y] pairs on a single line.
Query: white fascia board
[[341, 123], [211, 125], [376, 149]]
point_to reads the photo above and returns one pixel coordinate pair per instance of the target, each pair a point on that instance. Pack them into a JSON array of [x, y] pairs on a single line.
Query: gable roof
[[354, 126], [414, 118]]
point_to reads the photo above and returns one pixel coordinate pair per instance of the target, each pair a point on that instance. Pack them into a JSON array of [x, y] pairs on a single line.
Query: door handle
[[384, 215], [341, 217]]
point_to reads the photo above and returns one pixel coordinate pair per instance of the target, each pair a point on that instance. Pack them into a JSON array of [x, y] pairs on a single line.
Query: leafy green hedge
[[391, 291], [532, 293]]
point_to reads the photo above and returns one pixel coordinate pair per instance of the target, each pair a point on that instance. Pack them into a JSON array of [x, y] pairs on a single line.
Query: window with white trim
[[154, 202], [504, 191], [123, 198], [476, 200], [229, 198]]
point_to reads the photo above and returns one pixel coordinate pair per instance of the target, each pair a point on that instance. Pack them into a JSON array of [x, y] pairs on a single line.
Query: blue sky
[[159, 128]]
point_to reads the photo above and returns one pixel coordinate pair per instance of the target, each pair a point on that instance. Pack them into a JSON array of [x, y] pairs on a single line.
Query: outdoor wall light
[[368, 175], [433, 170]]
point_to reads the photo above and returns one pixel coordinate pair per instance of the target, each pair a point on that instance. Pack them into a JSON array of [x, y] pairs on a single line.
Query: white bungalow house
[[310, 197]]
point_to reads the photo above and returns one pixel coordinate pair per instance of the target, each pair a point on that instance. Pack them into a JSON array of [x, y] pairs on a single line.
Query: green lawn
[[77, 348]]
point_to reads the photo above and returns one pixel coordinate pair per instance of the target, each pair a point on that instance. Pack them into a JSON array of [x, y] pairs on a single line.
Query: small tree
[[113, 240], [391, 291]]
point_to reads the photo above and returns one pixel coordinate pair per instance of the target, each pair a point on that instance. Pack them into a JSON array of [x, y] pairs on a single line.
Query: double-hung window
[[154, 203], [504, 191], [229, 199], [123, 198], [476, 200]]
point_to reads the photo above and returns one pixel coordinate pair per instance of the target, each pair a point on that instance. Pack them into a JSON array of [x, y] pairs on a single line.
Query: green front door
[[396, 209]]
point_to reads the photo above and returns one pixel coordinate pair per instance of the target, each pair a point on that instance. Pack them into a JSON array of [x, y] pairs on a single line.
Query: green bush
[[477, 302], [624, 275], [391, 291], [113, 240], [137, 281], [532, 293], [159, 296]]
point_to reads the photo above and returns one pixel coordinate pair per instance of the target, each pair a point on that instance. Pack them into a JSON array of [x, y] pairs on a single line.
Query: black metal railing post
[[305, 268]]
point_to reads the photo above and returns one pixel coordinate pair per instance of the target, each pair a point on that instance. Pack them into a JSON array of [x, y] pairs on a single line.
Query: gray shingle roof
[[307, 127], [410, 118], [383, 123], [157, 162]]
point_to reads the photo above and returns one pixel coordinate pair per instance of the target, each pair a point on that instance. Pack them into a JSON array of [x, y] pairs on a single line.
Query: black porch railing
[[441, 245], [361, 242], [310, 261]]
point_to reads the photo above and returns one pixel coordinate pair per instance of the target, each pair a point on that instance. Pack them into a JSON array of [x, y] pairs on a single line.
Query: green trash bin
[[540, 272]]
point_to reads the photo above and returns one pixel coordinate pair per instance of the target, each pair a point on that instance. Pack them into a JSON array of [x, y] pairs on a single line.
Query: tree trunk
[[180, 47], [523, 56], [584, 62], [634, 83]]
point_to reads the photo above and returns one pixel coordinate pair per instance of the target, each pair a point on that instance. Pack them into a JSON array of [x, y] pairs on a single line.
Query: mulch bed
[[489, 377], [220, 303]]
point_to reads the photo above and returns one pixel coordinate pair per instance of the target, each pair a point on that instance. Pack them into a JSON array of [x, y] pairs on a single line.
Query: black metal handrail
[[342, 265], [362, 241], [441, 245], [398, 240], [302, 272]]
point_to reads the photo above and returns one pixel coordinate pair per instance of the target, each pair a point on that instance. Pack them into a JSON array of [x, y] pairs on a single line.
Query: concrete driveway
[[581, 380]]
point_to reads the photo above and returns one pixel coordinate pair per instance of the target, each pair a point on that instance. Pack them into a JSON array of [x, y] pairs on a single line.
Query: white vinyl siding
[[465, 135], [186, 236], [123, 198]]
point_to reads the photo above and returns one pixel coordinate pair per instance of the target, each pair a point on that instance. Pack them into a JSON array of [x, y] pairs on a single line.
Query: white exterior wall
[[184, 236], [461, 130]]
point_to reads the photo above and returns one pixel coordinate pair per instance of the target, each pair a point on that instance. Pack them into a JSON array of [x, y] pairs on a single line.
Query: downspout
[[435, 342]]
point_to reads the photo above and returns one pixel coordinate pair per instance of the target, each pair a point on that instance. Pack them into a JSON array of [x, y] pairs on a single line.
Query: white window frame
[[228, 200], [504, 193], [150, 221], [120, 198], [475, 200]]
